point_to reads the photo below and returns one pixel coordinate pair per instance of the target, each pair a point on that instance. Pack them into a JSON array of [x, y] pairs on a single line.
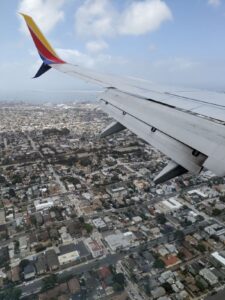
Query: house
[[43, 236], [68, 253], [171, 260], [105, 276], [158, 292], [75, 229], [209, 276], [40, 264], [15, 271], [94, 247], [117, 190], [84, 253], [29, 271], [74, 286], [52, 260]]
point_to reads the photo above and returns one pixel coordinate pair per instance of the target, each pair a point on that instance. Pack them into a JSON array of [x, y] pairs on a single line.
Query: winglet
[[45, 50]]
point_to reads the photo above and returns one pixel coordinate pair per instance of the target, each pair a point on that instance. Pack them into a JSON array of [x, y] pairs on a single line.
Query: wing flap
[[179, 152]]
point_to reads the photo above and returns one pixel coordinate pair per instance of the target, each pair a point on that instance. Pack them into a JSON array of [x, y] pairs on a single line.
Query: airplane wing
[[186, 125]]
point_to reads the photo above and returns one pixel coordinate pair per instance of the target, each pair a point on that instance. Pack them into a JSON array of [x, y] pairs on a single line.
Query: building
[[94, 247], [2, 217], [15, 271], [171, 260], [42, 204], [121, 240], [172, 204], [40, 264], [99, 224], [52, 260], [219, 257], [158, 292], [68, 253], [29, 271], [116, 190], [23, 242], [84, 253], [209, 276], [215, 229], [74, 286]]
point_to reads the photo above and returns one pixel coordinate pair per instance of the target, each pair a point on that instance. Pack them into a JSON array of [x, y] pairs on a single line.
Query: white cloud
[[99, 18], [143, 17], [96, 46], [76, 57], [214, 3], [47, 13], [88, 60], [95, 18]]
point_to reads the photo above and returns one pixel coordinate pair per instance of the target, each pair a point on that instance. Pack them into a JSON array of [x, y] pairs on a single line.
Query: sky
[[173, 42]]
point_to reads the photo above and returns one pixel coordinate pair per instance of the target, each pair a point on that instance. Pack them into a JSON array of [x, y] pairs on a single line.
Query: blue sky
[[176, 42]]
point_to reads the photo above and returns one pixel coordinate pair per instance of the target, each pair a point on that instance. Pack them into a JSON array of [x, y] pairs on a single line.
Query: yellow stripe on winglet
[[31, 24]]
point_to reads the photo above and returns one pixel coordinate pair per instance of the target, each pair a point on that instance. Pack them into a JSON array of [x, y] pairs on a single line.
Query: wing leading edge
[[187, 126]]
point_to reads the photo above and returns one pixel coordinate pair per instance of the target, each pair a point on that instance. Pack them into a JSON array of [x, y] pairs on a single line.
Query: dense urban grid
[[81, 218]]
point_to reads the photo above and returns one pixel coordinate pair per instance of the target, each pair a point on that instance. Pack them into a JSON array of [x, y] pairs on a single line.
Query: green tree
[[24, 263], [201, 247], [159, 264], [181, 255], [179, 235], [10, 294], [33, 220], [88, 227], [161, 219], [49, 282], [119, 278], [216, 212], [118, 287], [200, 285], [222, 198], [81, 219]]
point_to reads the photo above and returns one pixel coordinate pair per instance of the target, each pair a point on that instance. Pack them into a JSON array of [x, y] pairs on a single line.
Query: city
[[81, 218]]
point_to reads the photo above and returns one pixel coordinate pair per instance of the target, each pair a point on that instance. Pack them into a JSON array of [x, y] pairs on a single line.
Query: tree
[[181, 255], [88, 227], [161, 219], [119, 278], [222, 198], [12, 193], [159, 264], [10, 294], [201, 248], [33, 220], [16, 179], [117, 287], [215, 238], [81, 219], [24, 263], [119, 282], [179, 235], [167, 287], [216, 212], [49, 282], [200, 285]]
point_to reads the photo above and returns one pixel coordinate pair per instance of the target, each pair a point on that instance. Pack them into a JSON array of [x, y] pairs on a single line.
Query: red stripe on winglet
[[44, 51]]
